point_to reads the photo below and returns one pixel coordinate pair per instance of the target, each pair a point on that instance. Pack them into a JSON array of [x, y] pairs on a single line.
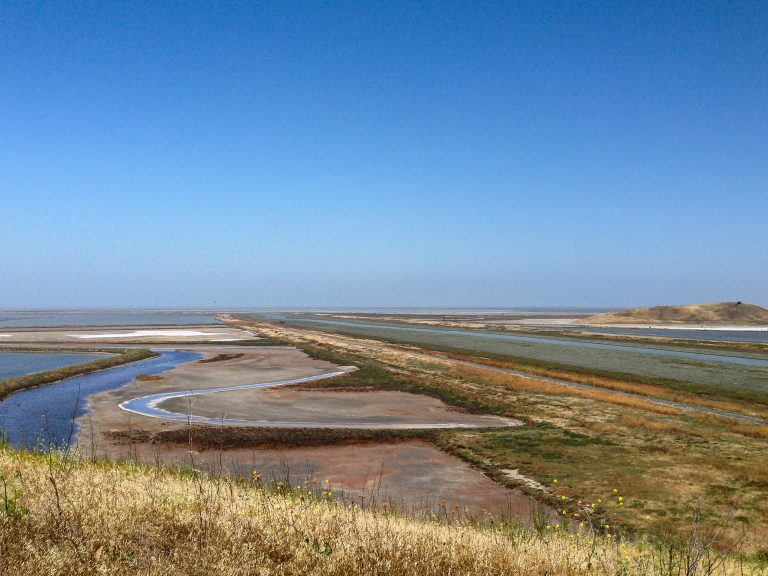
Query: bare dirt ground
[[253, 365], [383, 409], [412, 476]]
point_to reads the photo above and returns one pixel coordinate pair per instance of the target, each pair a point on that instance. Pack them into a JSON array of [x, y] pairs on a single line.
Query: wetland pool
[[44, 417], [15, 364]]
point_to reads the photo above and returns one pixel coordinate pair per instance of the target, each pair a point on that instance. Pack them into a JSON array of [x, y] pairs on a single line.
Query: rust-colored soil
[[411, 475]]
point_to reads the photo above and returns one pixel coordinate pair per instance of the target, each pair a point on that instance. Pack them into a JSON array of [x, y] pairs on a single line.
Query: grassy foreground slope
[[60, 516], [719, 313]]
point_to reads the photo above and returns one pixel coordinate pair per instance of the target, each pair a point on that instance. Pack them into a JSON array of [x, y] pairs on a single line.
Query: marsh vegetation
[[664, 460]]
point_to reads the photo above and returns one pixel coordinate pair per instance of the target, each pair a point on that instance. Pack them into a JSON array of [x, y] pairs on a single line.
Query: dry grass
[[638, 388], [656, 425], [533, 385], [751, 430], [65, 518]]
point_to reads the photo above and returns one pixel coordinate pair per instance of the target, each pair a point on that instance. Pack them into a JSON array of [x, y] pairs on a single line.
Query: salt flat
[[146, 334], [140, 335]]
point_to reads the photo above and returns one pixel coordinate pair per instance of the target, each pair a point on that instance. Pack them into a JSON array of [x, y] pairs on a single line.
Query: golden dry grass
[[752, 430], [656, 425], [66, 518], [534, 385], [640, 389]]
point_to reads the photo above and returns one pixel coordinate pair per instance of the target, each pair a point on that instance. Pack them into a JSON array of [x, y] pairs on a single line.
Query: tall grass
[[64, 517]]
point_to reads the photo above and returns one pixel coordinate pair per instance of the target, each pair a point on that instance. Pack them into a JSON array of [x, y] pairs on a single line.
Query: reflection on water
[[15, 364], [44, 417]]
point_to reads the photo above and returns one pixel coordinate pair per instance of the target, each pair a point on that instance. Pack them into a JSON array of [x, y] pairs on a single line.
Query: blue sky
[[383, 154]]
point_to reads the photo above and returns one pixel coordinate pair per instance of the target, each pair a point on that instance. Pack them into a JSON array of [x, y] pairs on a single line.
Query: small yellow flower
[[562, 497], [615, 489], [554, 481]]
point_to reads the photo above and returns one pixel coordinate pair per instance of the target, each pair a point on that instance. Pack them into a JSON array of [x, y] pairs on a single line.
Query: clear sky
[[383, 154]]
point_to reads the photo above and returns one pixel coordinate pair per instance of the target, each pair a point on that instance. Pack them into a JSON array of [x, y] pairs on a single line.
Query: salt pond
[[44, 416], [15, 364]]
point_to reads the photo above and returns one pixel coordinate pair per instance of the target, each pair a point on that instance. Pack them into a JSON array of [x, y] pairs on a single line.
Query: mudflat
[[251, 365], [412, 476], [242, 366], [385, 409]]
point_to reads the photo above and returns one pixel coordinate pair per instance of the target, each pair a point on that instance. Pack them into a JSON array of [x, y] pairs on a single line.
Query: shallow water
[[44, 417], [721, 335], [39, 319], [554, 341], [15, 364], [745, 373]]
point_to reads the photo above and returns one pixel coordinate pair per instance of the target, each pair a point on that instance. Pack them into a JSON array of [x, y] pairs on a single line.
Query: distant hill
[[719, 313]]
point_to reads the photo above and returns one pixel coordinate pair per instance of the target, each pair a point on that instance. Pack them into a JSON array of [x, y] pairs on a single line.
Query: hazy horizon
[[362, 155], [223, 309]]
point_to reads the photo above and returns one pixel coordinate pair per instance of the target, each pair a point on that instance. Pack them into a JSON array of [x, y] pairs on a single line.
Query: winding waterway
[[150, 406], [45, 417]]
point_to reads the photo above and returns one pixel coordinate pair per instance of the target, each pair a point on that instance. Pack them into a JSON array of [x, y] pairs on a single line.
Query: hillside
[[736, 313], [59, 516]]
